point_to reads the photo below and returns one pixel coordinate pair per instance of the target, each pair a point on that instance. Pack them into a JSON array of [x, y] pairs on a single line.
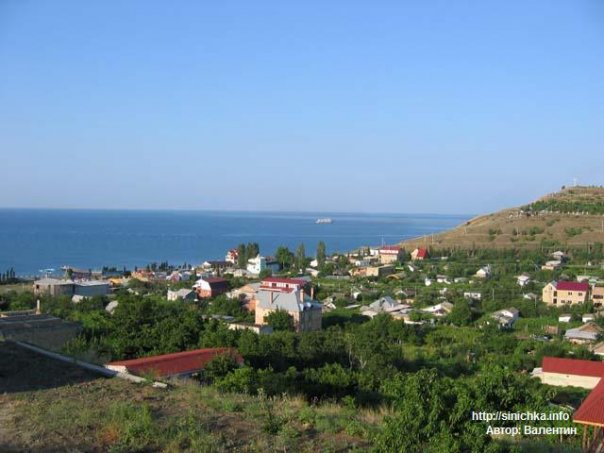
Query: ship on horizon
[[324, 220]]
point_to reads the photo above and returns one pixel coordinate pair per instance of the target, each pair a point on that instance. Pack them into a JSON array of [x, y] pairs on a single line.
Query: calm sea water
[[35, 239]]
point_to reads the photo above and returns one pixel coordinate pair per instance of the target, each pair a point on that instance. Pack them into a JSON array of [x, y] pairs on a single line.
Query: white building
[[256, 265]]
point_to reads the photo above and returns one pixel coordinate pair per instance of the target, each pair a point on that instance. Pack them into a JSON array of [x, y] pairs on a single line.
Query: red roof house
[[419, 254], [584, 373], [170, 365], [572, 286]]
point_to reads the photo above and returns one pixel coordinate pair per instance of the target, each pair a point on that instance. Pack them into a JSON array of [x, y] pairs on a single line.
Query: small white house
[[256, 265], [472, 295], [523, 280], [564, 318], [484, 272]]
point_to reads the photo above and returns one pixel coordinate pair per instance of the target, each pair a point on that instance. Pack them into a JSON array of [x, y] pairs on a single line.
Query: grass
[[98, 414], [510, 228]]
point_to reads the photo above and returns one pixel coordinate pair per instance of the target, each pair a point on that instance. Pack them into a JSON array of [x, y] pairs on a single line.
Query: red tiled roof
[[291, 281], [572, 286], [175, 364], [591, 411], [573, 366]]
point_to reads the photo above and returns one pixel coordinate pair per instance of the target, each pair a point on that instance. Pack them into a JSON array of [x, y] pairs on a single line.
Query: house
[[586, 374], [472, 295], [565, 293], [256, 265], [390, 254], [460, 280], [587, 333], [443, 279], [256, 328], [232, 256], [60, 287], [419, 254], [210, 287], [182, 294], [427, 281], [570, 372], [565, 318], [387, 304], [484, 272], [245, 292], [439, 310], [506, 318], [559, 256], [53, 287], [379, 271], [523, 280], [283, 284], [305, 311], [178, 364], [598, 349], [597, 295], [216, 265], [551, 265], [77, 274]]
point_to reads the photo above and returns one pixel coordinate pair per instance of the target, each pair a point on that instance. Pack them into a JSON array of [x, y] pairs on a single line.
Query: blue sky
[[386, 106]]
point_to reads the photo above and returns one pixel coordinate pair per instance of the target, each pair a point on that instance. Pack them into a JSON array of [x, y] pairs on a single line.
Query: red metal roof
[[291, 281], [591, 412], [573, 366], [572, 286], [422, 252], [178, 363]]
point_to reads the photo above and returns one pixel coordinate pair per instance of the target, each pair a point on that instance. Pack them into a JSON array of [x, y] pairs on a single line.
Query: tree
[[284, 256], [219, 367], [252, 250], [321, 254], [280, 320], [461, 314], [241, 256], [300, 257]]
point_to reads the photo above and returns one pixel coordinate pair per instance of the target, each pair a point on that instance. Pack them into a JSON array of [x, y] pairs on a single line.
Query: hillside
[[47, 405], [570, 218]]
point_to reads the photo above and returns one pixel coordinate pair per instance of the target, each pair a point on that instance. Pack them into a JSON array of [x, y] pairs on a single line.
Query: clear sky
[[388, 106]]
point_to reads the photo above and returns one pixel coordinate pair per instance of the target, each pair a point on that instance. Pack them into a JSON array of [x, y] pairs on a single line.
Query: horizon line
[[261, 211]]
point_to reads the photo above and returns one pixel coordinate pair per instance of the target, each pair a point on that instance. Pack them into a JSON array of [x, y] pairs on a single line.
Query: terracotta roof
[[179, 363], [572, 286], [573, 366], [591, 412]]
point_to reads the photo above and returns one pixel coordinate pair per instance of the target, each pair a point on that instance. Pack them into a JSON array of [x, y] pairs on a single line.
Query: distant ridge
[[570, 218]]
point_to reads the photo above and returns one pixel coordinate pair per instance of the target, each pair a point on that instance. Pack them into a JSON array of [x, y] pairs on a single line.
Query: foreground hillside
[[49, 406], [572, 217]]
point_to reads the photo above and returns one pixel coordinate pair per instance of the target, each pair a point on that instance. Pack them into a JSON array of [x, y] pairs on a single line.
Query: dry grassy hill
[[572, 217]]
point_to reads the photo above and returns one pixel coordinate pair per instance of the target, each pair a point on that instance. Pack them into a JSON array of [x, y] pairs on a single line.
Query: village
[[545, 301]]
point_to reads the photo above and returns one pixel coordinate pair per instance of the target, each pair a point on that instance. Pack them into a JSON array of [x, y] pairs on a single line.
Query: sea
[[35, 241]]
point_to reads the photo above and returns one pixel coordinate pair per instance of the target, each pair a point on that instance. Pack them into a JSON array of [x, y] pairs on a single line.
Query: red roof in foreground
[[175, 364], [573, 366], [572, 286], [591, 412]]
